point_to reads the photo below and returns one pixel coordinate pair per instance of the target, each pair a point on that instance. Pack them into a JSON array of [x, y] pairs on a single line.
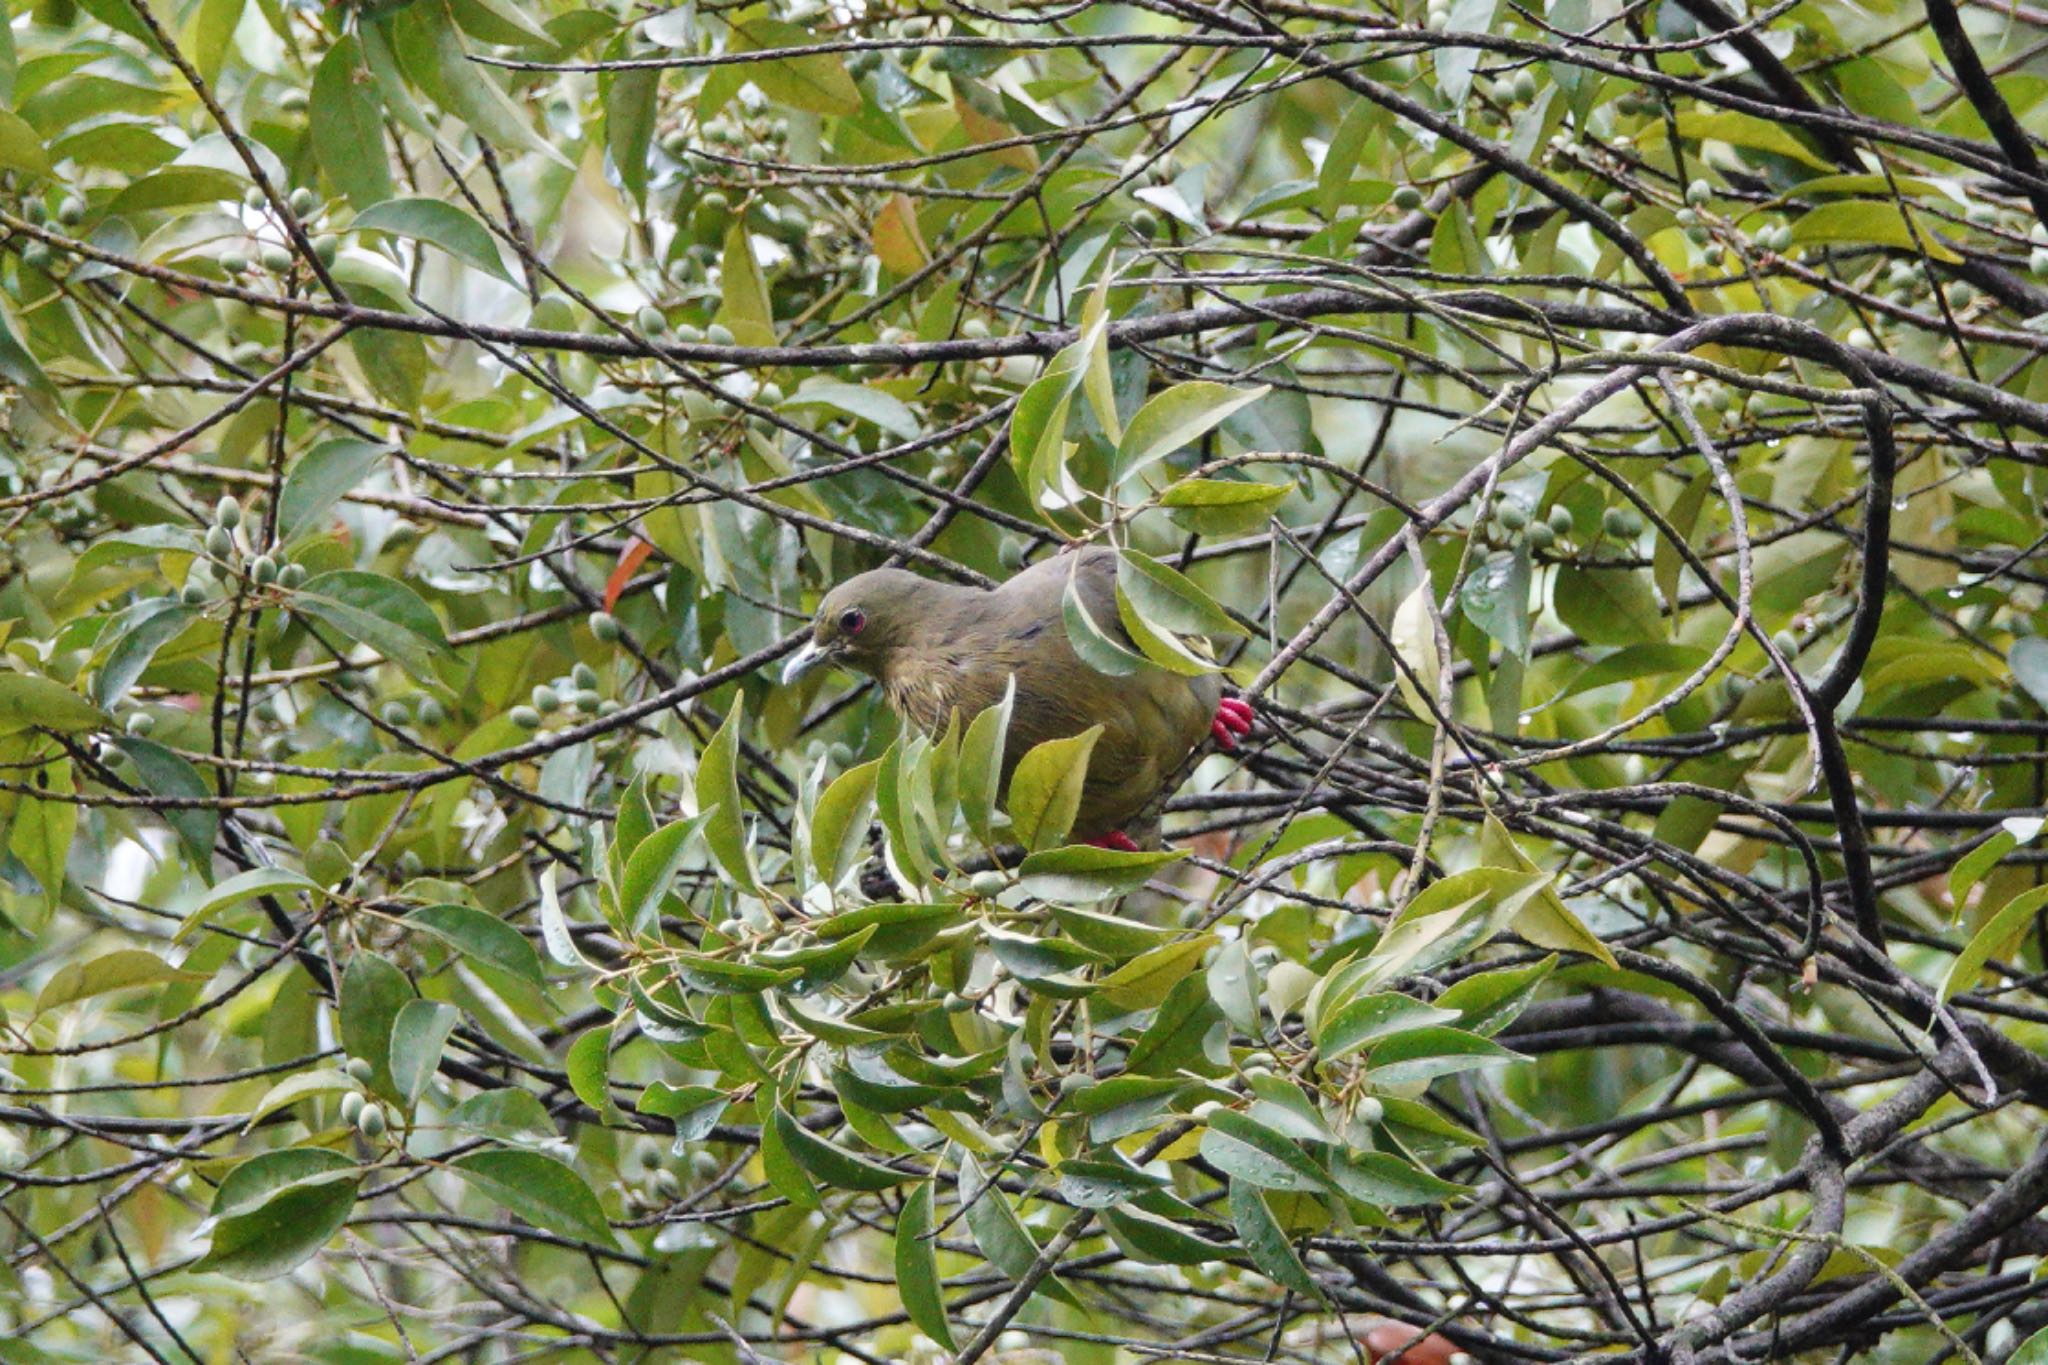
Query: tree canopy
[[1603, 441]]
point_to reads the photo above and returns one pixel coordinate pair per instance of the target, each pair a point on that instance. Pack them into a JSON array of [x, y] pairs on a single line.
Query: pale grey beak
[[804, 660]]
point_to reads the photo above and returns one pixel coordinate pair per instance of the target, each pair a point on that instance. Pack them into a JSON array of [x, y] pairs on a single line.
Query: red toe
[[1115, 839], [1234, 717]]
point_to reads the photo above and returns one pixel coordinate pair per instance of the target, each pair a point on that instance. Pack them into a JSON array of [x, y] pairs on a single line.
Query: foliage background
[[1606, 443]]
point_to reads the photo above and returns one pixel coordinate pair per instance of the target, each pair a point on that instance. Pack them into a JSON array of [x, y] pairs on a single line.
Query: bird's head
[[861, 620]]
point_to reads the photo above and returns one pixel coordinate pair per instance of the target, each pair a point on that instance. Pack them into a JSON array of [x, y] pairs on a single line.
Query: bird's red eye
[[850, 622]]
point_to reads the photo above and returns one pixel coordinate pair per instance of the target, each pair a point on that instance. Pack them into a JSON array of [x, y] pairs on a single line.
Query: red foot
[[1115, 839], [1233, 718]]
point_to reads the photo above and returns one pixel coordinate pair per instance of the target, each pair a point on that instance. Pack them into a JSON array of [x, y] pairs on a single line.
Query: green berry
[[583, 675], [525, 717], [988, 885], [1145, 224], [651, 321], [1511, 515], [326, 248], [553, 313], [431, 712], [1617, 202], [604, 626], [1560, 518], [370, 1123], [352, 1107], [219, 543], [1785, 642], [718, 334], [140, 723], [410, 864], [1615, 521], [955, 1003], [586, 700], [770, 395], [1407, 198], [37, 212], [291, 101], [360, 1069], [1525, 85], [667, 1185], [301, 201], [227, 512], [37, 255], [275, 259], [1698, 192], [194, 593], [395, 713], [703, 1165], [291, 575], [1369, 1111], [71, 212], [263, 569], [545, 701], [1541, 537]]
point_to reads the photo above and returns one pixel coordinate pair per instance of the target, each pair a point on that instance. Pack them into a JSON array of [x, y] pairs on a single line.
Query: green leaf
[[1451, 917], [482, 937], [260, 1179], [652, 869], [282, 1234], [1154, 1240], [554, 925], [257, 881], [1544, 920], [304, 1085], [1385, 1181], [1997, 937], [347, 127], [1248, 1151], [816, 82], [123, 969], [472, 93], [20, 148], [744, 304], [1145, 980], [839, 822], [317, 481], [1365, 1020], [1265, 1241], [155, 623], [27, 700], [1004, 1240], [1488, 1002], [1169, 599], [981, 763], [372, 993], [830, 1164], [1608, 606], [718, 797], [175, 187], [1045, 789], [589, 1066], [418, 1034], [372, 609], [1090, 638], [1231, 986], [1423, 1054], [164, 773], [917, 1268], [630, 110], [1866, 222], [2028, 660], [1176, 417], [44, 828], [540, 1189], [1082, 872], [438, 223]]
